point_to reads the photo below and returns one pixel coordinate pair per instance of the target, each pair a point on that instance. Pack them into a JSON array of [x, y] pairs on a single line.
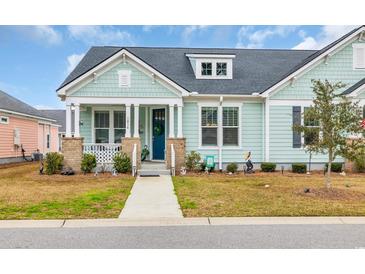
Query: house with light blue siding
[[222, 103]]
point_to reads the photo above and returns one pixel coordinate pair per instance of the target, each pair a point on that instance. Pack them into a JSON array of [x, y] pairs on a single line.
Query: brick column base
[[179, 146], [72, 152], [127, 147]]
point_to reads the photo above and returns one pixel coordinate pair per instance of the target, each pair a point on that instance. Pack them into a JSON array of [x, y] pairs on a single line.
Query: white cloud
[[248, 38], [148, 28], [327, 35], [44, 34], [100, 35], [189, 31], [72, 61], [40, 107]]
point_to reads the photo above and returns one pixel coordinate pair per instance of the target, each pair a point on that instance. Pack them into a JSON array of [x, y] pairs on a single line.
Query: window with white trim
[[4, 120], [206, 68], [101, 126], [209, 126], [221, 69], [359, 55], [124, 78], [310, 137], [230, 126], [119, 125]]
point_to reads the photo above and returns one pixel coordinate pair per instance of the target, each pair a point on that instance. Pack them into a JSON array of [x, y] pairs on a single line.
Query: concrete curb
[[215, 221]]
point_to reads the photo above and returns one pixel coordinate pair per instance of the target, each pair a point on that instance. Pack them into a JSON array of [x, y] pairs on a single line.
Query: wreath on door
[[158, 130]]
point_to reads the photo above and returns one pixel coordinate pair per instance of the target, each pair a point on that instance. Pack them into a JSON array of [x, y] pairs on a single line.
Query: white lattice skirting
[[104, 153]]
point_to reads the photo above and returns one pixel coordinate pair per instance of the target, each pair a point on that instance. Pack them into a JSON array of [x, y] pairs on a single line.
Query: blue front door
[[158, 136]]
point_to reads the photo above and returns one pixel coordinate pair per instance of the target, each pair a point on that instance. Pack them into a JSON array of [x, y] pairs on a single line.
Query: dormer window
[[212, 66], [221, 69]]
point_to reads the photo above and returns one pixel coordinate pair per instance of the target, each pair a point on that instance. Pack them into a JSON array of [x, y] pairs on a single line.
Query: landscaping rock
[[307, 190], [67, 171]]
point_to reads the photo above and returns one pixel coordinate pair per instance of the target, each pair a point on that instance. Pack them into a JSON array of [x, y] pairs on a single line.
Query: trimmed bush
[[268, 167], [88, 162], [299, 168], [360, 161], [335, 167], [192, 161], [232, 167], [122, 163], [53, 162]]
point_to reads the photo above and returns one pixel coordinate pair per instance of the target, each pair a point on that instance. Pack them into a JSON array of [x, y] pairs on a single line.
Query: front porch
[[106, 129]]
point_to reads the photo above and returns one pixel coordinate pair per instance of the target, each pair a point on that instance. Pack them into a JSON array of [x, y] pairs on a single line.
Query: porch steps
[[149, 168]]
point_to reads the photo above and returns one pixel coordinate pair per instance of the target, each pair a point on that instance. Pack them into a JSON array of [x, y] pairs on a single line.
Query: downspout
[[220, 131]]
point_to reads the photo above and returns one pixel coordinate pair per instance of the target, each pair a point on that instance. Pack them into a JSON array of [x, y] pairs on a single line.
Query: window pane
[[206, 68], [230, 136], [209, 136], [310, 122], [119, 119], [311, 137], [118, 134], [230, 116], [102, 135], [101, 119], [221, 68], [209, 116]]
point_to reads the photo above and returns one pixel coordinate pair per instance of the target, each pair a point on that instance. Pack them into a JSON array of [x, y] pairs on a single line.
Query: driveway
[[152, 197]]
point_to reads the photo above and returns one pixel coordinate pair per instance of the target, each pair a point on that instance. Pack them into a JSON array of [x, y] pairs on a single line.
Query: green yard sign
[[209, 161]]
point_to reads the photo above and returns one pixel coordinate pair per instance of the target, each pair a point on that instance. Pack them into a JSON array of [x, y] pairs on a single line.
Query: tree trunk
[[328, 175]]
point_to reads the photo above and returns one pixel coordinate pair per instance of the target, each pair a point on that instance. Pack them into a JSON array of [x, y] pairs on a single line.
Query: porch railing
[[104, 153]]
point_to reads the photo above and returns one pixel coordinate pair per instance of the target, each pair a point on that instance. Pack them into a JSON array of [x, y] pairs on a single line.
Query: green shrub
[[88, 162], [122, 163], [335, 167], [53, 162], [360, 161], [232, 167], [268, 167], [299, 168], [192, 161]]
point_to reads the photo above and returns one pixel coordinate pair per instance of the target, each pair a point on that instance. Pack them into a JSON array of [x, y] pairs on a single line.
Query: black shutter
[[297, 137]]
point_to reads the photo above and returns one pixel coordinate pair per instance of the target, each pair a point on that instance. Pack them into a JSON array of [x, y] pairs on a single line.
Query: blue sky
[[36, 59]]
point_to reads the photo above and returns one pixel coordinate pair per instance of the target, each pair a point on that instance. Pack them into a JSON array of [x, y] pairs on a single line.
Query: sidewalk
[[152, 197], [205, 221]]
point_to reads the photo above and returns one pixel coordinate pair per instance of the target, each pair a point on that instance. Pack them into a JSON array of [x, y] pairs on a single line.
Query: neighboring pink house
[[22, 126]]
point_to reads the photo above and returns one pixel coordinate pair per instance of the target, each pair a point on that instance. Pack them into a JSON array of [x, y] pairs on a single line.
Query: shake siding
[[107, 85], [28, 136], [338, 68]]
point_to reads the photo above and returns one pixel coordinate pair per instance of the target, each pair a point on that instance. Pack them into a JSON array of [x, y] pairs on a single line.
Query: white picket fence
[[104, 153]]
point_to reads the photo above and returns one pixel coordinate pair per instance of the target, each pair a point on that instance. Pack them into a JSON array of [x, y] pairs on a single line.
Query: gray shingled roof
[[254, 70], [354, 87], [60, 116], [10, 103]]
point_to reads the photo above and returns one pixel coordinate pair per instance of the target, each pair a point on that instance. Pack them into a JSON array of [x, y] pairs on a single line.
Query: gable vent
[[124, 78], [359, 56]]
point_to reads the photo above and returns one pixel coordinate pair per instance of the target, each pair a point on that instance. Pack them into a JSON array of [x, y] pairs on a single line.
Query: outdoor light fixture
[[81, 123]]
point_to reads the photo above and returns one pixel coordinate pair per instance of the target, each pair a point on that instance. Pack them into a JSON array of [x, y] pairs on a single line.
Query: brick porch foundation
[[72, 152], [179, 146], [127, 147]]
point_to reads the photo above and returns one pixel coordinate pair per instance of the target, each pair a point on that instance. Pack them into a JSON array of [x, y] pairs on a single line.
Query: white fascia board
[[311, 63], [220, 56], [26, 115], [63, 90], [357, 91]]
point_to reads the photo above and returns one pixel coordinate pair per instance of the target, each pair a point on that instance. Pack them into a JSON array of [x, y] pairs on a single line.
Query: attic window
[[359, 56], [4, 120], [124, 78], [206, 68], [221, 69]]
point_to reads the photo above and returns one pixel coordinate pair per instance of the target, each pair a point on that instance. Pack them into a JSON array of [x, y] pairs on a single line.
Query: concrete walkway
[[152, 197]]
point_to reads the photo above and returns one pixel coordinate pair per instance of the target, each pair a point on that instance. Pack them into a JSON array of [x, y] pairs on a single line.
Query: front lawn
[[239, 195], [24, 194]]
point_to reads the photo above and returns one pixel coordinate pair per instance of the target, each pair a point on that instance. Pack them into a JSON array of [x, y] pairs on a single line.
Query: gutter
[[27, 115]]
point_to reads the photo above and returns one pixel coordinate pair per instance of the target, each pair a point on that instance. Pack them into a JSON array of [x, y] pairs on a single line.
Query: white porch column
[[136, 121], [179, 122], [128, 121], [68, 120], [171, 122], [267, 130], [77, 120]]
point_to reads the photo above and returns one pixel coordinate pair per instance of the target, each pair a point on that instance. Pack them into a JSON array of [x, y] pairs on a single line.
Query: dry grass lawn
[[24, 194], [239, 195]]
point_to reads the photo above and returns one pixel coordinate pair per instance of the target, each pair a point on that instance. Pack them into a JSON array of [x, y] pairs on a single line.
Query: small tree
[[337, 118]]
